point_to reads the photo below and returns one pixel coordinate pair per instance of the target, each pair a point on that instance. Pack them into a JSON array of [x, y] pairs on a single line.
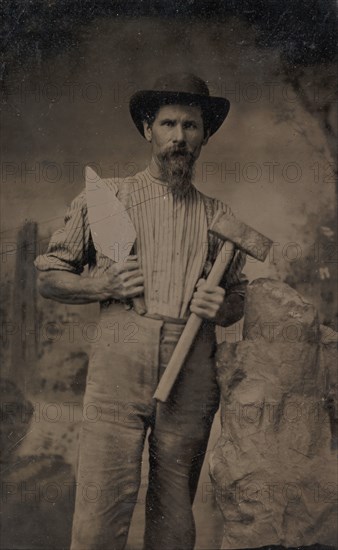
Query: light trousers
[[126, 364]]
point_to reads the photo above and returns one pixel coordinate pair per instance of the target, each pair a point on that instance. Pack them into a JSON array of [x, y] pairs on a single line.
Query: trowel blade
[[111, 227]]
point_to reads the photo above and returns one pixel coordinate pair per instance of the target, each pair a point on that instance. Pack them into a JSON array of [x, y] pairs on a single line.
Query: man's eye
[[189, 125], [168, 123]]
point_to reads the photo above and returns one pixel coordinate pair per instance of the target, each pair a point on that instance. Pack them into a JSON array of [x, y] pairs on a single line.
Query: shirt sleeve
[[68, 249], [234, 280]]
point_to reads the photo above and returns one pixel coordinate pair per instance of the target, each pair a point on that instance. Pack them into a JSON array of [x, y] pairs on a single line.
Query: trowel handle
[[139, 304], [192, 327]]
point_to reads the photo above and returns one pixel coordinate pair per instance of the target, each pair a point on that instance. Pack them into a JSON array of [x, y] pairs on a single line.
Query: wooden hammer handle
[[191, 328]]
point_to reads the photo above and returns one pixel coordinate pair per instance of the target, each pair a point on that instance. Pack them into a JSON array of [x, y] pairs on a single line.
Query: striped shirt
[[173, 245]]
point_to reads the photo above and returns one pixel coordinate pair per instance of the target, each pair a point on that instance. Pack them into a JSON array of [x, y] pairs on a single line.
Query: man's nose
[[179, 135]]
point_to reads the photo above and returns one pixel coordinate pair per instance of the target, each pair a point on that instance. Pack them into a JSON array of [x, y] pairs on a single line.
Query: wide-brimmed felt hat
[[179, 89]]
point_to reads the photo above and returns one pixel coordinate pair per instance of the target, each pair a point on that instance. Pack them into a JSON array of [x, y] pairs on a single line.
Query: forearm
[[231, 310], [69, 288]]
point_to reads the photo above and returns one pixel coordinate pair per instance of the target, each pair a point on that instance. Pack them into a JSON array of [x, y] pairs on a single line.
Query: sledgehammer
[[241, 236]]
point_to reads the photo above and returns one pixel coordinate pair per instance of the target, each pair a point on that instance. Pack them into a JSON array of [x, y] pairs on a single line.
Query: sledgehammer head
[[229, 228]]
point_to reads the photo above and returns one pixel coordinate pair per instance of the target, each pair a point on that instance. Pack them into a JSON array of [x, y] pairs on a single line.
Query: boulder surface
[[274, 467]]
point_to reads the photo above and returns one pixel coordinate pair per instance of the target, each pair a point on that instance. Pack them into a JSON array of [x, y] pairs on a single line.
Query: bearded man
[[174, 255]]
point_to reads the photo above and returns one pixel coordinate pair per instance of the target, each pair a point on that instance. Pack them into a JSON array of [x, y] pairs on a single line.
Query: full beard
[[177, 170]]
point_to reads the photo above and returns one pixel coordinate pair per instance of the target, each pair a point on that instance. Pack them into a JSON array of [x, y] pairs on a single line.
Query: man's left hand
[[207, 302]]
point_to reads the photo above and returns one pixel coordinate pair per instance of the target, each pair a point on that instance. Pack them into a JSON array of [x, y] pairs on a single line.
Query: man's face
[[176, 135]]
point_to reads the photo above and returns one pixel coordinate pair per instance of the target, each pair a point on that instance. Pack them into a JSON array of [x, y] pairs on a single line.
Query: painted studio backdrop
[[69, 69]]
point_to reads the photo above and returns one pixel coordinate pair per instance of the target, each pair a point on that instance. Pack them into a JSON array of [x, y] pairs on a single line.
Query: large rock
[[273, 468], [275, 312]]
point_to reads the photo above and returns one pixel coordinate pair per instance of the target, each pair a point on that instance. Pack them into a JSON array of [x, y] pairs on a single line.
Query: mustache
[[177, 152]]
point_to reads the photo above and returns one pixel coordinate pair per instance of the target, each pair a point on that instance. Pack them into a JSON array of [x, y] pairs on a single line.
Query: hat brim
[[145, 103]]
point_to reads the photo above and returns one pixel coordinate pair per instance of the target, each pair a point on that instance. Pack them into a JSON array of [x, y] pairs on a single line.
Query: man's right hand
[[123, 281], [120, 282]]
